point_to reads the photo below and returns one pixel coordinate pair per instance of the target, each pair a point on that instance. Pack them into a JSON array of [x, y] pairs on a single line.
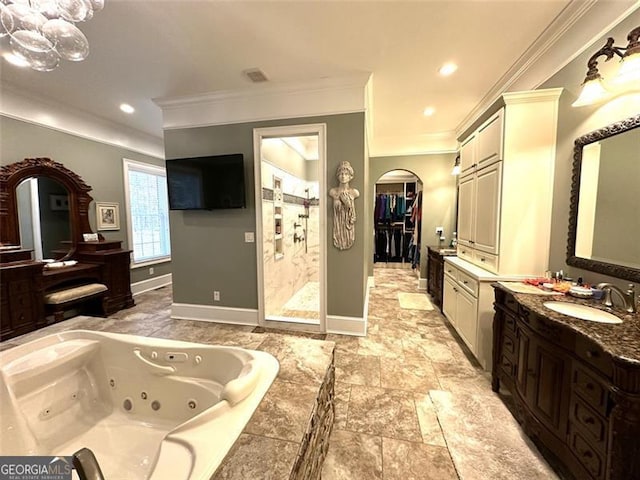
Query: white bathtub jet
[[148, 408]]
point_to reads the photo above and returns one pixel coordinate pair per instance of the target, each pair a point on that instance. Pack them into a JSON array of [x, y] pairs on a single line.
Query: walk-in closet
[[397, 216]]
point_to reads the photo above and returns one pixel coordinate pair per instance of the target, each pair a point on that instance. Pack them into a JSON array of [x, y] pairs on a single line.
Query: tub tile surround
[[280, 441], [251, 453], [437, 420]]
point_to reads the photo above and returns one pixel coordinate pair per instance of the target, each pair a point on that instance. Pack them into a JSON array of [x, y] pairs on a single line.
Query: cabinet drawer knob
[[531, 373], [589, 420], [465, 282], [482, 259], [587, 454], [592, 353]]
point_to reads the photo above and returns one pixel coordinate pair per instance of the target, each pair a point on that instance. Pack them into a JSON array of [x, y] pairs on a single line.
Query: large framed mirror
[[604, 216], [59, 194]]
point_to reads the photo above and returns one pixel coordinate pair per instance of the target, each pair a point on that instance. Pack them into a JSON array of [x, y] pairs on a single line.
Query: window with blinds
[[147, 212]]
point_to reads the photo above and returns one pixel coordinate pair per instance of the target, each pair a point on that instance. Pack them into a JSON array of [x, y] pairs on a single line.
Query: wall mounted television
[[206, 183]]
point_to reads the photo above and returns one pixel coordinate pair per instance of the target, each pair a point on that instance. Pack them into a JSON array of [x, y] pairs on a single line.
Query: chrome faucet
[[629, 298]]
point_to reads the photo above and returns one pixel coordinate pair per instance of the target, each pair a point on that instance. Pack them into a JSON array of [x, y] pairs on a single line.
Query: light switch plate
[[249, 237]]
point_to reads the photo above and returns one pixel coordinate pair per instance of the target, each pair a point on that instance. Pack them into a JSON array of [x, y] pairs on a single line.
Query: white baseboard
[[151, 284], [356, 326], [422, 284], [209, 313]]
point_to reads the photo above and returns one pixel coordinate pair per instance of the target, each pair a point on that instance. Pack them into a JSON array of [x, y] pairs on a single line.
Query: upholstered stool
[[58, 301]]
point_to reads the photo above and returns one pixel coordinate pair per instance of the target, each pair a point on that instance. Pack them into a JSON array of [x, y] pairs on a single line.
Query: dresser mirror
[[61, 197], [43, 217], [604, 218]]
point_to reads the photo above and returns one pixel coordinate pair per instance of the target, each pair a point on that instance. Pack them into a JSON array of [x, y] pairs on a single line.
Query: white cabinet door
[[489, 147], [468, 154], [487, 208], [466, 318], [466, 215], [449, 300]]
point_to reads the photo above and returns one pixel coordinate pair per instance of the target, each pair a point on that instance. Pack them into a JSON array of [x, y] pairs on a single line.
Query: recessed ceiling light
[[126, 108], [15, 60], [429, 111], [447, 69]]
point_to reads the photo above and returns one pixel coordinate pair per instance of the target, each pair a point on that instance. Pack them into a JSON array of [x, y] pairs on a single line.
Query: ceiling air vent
[[255, 75]]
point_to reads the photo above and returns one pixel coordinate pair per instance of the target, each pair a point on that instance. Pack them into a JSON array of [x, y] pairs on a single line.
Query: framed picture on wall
[[108, 215]]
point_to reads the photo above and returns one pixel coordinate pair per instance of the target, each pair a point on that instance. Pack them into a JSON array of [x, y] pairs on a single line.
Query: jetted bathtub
[[146, 407]]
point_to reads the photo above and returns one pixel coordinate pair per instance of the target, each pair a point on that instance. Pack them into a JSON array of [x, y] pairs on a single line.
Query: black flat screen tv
[[206, 183]]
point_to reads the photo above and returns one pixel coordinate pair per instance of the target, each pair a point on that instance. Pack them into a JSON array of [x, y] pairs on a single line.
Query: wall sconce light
[[594, 88], [456, 166]]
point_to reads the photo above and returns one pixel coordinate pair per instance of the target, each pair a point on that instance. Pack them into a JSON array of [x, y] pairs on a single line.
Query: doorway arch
[[438, 203]]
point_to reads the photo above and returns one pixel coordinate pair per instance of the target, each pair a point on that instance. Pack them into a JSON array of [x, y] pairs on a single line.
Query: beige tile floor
[[410, 401]]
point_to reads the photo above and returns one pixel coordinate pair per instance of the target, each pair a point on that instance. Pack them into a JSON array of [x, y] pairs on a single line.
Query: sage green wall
[[208, 249], [438, 196], [98, 164], [572, 123]]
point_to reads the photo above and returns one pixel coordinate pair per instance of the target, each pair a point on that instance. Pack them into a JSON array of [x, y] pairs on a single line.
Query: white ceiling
[[141, 50]]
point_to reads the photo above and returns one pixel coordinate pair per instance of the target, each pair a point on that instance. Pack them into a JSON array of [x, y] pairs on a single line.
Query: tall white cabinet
[[505, 195], [506, 186]]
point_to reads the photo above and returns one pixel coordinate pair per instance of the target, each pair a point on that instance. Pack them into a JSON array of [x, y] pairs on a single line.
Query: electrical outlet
[[249, 237], [151, 270], [216, 296], [439, 230]]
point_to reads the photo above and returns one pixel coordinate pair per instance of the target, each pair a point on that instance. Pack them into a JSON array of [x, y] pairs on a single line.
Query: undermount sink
[[582, 312], [448, 251]]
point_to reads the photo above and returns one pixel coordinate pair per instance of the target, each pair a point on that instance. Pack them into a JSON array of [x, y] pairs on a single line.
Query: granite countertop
[[445, 252], [621, 341], [270, 444]]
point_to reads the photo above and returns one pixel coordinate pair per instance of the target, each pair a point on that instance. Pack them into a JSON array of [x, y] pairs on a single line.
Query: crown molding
[[578, 25], [423, 144], [533, 96], [326, 96], [29, 108]]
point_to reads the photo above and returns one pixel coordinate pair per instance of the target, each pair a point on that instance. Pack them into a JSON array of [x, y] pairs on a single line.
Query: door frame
[[319, 129]]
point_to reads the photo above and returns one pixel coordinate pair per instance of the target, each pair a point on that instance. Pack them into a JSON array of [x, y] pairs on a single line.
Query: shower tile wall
[[283, 277]]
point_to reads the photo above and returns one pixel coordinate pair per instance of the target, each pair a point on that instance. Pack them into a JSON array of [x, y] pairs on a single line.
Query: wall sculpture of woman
[[344, 208]]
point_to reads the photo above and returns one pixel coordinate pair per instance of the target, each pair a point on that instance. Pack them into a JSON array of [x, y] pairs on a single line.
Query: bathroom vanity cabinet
[[575, 384], [505, 188], [21, 305], [468, 305], [435, 273]]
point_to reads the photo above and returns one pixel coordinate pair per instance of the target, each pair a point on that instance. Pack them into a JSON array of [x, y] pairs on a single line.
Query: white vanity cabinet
[[468, 305], [505, 196]]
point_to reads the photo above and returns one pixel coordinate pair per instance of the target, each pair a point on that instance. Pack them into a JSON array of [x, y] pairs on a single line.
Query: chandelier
[[42, 32]]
